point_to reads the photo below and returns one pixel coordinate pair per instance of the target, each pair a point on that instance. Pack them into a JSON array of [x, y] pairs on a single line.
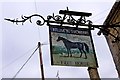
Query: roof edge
[[112, 12]]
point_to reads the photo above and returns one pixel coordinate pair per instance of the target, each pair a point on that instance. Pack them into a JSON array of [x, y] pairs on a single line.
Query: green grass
[[62, 49]]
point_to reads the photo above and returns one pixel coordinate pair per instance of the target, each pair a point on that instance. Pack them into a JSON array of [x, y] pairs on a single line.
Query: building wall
[[114, 45]]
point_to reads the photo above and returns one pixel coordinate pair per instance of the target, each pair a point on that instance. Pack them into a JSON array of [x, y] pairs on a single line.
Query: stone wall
[[114, 45]]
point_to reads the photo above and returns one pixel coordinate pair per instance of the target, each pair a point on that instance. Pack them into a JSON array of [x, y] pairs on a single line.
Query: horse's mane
[[65, 39]]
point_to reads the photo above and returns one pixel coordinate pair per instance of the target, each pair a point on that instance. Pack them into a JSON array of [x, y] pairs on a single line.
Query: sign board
[[72, 47]]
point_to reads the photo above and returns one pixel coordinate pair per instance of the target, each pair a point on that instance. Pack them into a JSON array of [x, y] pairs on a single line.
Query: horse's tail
[[86, 47]]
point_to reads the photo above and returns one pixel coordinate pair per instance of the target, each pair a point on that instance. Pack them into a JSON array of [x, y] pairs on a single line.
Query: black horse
[[71, 45]]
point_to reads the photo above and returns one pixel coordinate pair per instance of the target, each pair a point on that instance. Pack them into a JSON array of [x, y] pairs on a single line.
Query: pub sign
[[72, 47]]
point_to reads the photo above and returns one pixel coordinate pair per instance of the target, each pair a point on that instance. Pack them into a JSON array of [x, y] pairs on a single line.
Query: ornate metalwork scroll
[[25, 18], [68, 18]]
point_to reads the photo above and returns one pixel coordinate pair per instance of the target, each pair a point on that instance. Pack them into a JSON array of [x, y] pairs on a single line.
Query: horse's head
[[59, 38]]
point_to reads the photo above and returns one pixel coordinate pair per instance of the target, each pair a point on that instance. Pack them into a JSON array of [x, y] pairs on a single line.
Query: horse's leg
[[68, 52], [80, 52], [85, 54]]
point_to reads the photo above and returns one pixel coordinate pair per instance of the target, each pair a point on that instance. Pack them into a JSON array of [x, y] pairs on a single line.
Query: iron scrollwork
[[25, 18], [68, 18]]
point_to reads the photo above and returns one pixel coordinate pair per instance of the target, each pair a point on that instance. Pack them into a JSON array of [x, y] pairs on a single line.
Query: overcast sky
[[19, 41]]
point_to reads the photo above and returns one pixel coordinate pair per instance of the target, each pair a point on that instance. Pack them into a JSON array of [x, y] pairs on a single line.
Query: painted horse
[[83, 47]]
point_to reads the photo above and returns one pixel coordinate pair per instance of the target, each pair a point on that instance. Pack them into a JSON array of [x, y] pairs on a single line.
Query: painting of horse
[[81, 46]]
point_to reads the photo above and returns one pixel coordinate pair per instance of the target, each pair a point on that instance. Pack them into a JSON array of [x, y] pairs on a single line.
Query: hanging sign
[[72, 47]]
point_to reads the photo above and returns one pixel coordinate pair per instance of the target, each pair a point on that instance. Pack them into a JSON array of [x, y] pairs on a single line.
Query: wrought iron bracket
[[106, 32], [69, 18], [25, 18], [66, 19]]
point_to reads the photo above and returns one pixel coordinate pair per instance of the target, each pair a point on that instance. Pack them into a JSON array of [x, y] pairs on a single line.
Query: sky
[[19, 41]]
